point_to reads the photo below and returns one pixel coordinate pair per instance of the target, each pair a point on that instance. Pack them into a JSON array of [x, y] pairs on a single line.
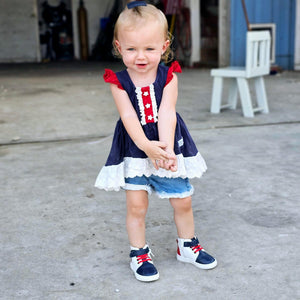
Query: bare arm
[[153, 149], [167, 120]]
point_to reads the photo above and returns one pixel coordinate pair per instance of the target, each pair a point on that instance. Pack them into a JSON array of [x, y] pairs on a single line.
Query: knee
[[137, 211], [137, 204], [182, 204]]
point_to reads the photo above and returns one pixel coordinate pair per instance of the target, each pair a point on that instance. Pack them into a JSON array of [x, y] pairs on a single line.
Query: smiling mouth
[[141, 65]]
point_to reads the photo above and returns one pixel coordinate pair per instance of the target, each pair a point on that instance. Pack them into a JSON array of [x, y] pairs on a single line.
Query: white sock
[[134, 248], [184, 240]]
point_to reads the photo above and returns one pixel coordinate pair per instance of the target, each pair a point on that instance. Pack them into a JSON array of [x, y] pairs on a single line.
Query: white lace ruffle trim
[[112, 178]]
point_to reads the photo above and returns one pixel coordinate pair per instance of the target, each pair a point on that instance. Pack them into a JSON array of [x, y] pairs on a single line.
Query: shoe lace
[[144, 257], [197, 248]]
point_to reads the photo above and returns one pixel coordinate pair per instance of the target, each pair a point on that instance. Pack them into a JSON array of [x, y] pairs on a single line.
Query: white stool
[[257, 65]]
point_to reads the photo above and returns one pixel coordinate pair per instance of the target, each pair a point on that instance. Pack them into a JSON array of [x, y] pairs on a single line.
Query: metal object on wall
[[83, 31]]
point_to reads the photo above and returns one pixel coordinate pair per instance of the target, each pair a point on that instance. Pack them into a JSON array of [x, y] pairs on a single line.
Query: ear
[[165, 46], [118, 45]]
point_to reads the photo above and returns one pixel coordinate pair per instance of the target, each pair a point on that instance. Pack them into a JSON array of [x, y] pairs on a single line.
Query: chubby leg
[[137, 205], [141, 263], [183, 216], [188, 248]]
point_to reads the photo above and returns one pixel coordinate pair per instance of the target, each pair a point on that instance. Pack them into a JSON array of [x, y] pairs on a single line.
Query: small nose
[[140, 54]]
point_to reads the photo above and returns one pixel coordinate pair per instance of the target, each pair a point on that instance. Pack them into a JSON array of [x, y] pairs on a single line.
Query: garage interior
[[65, 33]]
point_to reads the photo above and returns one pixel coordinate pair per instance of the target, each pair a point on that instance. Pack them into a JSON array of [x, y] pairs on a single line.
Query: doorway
[[55, 30], [209, 16]]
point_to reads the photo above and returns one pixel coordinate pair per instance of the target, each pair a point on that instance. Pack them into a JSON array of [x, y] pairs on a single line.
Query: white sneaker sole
[[201, 266], [144, 278]]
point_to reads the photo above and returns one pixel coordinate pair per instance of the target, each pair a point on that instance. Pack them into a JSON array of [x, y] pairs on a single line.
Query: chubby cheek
[[127, 59], [155, 57]]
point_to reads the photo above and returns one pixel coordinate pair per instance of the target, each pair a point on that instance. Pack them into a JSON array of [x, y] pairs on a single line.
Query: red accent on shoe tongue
[[197, 248], [142, 258]]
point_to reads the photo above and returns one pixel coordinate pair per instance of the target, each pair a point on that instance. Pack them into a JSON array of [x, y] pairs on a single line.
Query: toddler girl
[[152, 149]]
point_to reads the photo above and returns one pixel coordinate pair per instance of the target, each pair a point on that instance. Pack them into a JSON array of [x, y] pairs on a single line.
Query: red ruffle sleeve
[[175, 67], [110, 76]]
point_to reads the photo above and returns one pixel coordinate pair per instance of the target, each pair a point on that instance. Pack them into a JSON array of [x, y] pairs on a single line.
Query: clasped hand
[[161, 156]]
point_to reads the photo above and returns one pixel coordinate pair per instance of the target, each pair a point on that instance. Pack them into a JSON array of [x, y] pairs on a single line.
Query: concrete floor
[[61, 238]]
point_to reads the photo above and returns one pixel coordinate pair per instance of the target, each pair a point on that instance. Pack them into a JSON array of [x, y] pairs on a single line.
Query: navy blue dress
[[125, 158]]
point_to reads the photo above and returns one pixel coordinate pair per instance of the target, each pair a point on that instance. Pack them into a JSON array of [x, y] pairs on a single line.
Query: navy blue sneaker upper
[[203, 257], [146, 268]]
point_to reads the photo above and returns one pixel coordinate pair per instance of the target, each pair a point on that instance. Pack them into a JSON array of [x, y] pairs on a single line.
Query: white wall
[[224, 33], [194, 6], [19, 31]]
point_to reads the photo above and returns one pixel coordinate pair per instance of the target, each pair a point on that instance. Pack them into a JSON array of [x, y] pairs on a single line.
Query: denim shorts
[[164, 187]]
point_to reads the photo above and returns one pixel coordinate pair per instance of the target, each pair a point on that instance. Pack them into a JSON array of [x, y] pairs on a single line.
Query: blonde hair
[[131, 18]]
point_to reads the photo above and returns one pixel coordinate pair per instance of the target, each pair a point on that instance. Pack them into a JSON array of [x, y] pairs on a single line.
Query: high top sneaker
[[142, 265], [190, 251]]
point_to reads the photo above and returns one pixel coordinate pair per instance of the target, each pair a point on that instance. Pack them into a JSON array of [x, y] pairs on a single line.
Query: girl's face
[[141, 48]]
